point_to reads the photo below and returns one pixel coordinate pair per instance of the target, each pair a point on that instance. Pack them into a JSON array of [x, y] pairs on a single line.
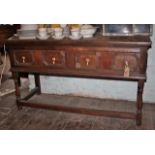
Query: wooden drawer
[[121, 60], [86, 60], [106, 60], [23, 58], [116, 61], [108, 63], [54, 58]]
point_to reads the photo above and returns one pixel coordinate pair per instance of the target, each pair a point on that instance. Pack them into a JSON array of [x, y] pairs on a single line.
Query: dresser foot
[[139, 119], [19, 106]]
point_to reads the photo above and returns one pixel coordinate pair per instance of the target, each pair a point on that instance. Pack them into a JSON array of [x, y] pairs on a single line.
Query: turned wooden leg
[[139, 102], [19, 82], [17, 89], [37, 82]]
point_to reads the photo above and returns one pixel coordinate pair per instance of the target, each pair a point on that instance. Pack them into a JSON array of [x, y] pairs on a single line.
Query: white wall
[[103, 88]]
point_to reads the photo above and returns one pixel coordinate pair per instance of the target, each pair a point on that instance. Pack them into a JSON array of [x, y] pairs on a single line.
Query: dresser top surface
[[95, 41]]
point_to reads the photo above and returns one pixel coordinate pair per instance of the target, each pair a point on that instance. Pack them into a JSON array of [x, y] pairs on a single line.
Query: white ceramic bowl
[[88, 33]]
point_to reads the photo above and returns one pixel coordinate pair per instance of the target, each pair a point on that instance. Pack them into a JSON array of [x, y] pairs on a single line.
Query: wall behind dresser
[[103, 88]]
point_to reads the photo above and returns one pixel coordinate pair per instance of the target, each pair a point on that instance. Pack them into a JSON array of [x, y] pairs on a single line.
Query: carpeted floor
[[29, 118]]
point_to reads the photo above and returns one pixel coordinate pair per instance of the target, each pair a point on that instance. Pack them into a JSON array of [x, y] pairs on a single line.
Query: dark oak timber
[[94, 112], [17, 89], [37, 83], [31, 93], [140, 101], [113, 58]]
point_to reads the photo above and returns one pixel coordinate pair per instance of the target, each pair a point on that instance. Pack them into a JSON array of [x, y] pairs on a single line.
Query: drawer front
[[106, 61], [121, 60], [116, 62], [120, 63], [92, 62], [23, 58], [54, 58], [86, 60]]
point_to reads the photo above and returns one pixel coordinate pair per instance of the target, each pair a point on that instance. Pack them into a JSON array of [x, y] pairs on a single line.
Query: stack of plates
[[26, 34], [28, 26]]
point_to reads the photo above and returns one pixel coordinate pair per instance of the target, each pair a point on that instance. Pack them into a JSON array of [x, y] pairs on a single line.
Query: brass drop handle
[[87, 61], [126, 69], [23, 59], [126, 64], [53, 60]]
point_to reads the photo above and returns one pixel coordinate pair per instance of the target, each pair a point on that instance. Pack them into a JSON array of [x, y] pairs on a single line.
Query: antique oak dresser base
[[101, 58]]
